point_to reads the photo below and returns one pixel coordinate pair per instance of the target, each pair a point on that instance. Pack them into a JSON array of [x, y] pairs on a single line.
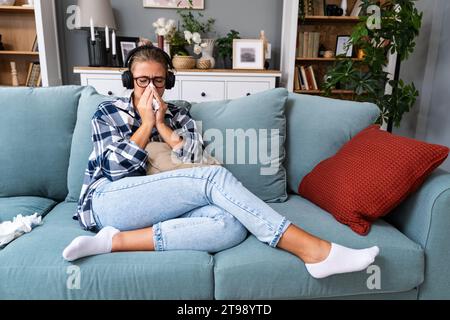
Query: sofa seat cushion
[[29, 264], [26, 206], [253, 270]]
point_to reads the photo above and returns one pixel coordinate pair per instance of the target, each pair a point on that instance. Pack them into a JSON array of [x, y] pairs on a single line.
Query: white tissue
[[155, 102], [19, 226]]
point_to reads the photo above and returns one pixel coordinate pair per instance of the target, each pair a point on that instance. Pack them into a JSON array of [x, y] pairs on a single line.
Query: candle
[[107, 36], [92, 30], [114, 43]]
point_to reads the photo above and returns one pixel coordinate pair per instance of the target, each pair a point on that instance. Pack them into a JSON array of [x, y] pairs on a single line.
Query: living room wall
[[248, 17], [429, 68]]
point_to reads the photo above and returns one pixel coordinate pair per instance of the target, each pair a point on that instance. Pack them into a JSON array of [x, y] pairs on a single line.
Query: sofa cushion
[[370, 175], [82, 145], [256, 159], [35, 137], [30, 263], [253, 270], [26, 206], [317, 128]]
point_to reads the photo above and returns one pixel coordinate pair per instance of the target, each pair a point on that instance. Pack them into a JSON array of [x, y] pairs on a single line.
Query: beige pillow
[[161, 159]]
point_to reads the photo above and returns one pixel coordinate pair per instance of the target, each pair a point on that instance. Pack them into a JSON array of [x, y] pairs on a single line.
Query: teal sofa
[[45, 143]]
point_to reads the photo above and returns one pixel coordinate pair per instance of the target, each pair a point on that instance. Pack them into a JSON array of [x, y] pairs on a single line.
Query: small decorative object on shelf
[[207, 52], [183, 62], [97, 52], [203, 63], [7, 2], [334, 10], [344, 6], [15, 80], [1, 44]]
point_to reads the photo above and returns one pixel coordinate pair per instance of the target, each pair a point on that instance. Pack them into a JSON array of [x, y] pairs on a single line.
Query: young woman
[[204, 208]]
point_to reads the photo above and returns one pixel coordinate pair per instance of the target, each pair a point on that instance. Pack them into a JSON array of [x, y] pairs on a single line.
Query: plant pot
[[183, 62]]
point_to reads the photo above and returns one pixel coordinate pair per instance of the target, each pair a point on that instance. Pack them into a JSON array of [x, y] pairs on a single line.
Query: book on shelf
[[311, 76], [35, 47], [304, 78], [34, 77], [296, 79], [308, 44]]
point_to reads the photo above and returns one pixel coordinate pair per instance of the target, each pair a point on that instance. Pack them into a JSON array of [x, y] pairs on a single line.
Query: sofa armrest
[[424, 217]]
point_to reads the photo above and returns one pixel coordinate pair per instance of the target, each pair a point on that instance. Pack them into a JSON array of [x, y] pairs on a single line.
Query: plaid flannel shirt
[[115, 156]]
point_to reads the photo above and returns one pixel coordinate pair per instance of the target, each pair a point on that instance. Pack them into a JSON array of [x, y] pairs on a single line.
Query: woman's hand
[[160, 114], [145, 108]]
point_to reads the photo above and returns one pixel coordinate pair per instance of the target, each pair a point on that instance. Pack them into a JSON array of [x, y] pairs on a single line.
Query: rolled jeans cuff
[[157, 237], [285, 223]]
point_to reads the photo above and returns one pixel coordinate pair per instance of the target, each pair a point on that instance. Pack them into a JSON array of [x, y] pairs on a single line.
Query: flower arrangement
[[196, 39], [165, 29]]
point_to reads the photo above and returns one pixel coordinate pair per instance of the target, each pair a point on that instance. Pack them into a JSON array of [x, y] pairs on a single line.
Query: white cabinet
[[192, 86]]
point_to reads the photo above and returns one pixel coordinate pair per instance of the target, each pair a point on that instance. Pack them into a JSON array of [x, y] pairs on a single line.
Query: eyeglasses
[[158, 82]]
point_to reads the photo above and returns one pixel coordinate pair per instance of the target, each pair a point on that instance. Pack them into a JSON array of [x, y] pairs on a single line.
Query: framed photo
[[124, 46], [173, 4], [248, 54], [343, 46]]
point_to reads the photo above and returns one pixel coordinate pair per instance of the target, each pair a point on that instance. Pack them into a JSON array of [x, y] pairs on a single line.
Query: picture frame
[[124, 46], [341, 49], [173, 4], [248, 54]]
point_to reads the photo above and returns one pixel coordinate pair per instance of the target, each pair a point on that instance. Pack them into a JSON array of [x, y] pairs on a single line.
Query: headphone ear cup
[[127, 80], [170, 82]]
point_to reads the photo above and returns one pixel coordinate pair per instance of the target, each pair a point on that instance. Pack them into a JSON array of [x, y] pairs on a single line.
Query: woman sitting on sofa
[[202, 208]]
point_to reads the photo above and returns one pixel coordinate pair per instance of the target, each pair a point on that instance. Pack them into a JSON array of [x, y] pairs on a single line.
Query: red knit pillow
[[370, 176]]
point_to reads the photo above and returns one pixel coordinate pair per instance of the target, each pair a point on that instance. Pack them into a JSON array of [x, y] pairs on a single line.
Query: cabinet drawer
[[173, 94], [239, 89], [108, 87], [201, 91]]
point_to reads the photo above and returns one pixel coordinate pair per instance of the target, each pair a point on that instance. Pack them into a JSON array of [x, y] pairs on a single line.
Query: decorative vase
[[204, 63], [344, 7], [208, 51]]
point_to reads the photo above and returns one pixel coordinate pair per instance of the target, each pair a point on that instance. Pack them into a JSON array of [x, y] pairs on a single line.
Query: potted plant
[[400, 25], [225, 48]]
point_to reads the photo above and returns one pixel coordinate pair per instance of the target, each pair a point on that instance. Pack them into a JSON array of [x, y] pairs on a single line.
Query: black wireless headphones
[[127, 76]]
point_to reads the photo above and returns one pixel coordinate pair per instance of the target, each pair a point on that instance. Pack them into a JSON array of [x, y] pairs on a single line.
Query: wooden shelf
[[16, 9], [321, 91], [18, 53], [326, 59], [331, 19]]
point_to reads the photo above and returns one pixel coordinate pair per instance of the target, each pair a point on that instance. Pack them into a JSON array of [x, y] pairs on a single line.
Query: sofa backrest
[[82, 142], [35, 138], [317, 128]]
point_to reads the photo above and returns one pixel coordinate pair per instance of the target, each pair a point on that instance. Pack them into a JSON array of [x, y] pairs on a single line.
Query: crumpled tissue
[[18, 227]]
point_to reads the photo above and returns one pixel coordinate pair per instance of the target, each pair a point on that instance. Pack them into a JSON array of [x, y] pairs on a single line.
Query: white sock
[[342, 260], [88, 246]]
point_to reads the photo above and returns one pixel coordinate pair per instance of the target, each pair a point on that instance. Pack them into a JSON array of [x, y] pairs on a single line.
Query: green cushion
[[26, 206], [317, 128], [82, 141], [253, 270], [35, 140], [261, 113], [32, 267]]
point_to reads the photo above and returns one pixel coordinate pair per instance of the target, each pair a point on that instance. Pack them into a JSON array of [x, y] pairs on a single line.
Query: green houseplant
[[195, 24], [400, 24], [225, 46]]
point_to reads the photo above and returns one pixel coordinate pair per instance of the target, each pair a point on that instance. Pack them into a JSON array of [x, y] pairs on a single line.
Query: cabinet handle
[[203, 94], [249, 94], [110, 93]]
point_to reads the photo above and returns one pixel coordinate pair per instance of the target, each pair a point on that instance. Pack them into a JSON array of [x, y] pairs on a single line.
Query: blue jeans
[[204, 209]]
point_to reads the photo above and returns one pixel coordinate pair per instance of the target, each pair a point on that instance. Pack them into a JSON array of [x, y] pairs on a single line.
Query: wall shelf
[[16, 9]]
